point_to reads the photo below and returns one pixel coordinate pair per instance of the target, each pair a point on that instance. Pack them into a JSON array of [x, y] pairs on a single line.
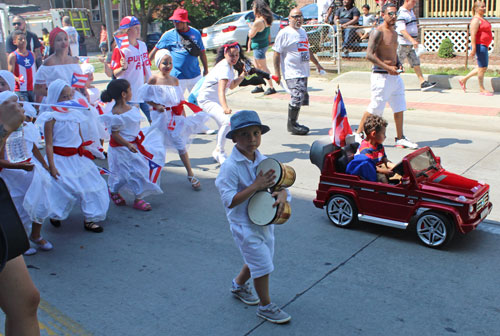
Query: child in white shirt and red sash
[[75, 177], [127, 158], [170, 129], [237, 182]]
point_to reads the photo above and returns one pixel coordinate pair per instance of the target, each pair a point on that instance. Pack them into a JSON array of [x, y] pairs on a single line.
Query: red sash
[[70, 151], [137, 141], [178, 109]]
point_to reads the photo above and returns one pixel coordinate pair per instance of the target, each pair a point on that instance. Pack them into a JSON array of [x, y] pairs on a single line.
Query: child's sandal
[[195, 183], [142, 205], [91, 226], [117, 199]]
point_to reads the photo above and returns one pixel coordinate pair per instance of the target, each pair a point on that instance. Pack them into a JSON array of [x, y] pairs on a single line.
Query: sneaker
[[218, 156], [427, 85], [244, 293], [29, 252], [210, 132], [269, 91], [257, 89], [358, 137], [404, 142], [273, 314]]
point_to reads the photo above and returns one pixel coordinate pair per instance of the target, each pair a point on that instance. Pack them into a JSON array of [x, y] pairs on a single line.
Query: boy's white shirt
[[236, 174]]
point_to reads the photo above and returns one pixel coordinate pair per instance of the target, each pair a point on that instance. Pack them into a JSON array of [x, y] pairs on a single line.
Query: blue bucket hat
[[245, 118]]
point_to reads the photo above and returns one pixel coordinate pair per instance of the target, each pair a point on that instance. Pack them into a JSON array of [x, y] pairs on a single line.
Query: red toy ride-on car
[[425, 196]]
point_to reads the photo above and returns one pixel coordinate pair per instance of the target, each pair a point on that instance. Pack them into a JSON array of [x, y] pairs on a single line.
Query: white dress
[[168, 131], [79, 180], [128, 171], [91, 128], [19, 180]]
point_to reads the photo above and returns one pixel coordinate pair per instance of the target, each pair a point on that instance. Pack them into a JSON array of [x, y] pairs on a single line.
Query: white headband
[[159, 56]]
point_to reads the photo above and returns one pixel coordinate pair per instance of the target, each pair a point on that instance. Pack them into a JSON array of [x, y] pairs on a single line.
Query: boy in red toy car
[[370, 162]]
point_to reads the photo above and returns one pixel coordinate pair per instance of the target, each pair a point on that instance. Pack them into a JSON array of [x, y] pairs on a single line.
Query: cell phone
[[399, 70]]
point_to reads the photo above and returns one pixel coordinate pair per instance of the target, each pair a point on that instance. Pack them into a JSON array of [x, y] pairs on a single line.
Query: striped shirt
[[375, 153], [406, 21]]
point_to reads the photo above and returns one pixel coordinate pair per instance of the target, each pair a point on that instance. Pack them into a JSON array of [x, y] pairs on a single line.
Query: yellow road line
[[69, 327]]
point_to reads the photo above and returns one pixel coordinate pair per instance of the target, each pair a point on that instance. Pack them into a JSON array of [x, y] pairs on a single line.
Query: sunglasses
[[392, 13], [297, 16], [176, 21], [16, 23]]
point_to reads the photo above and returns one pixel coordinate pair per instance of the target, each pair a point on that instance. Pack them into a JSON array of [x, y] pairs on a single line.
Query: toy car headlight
[[471, 208]]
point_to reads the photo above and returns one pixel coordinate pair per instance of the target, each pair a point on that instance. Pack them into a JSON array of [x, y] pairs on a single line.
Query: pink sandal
[[142, 205], [462, 85], [117, 199]]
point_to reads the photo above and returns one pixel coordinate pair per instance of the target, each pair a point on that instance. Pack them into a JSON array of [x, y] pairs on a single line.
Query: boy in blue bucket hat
[[237, 182]]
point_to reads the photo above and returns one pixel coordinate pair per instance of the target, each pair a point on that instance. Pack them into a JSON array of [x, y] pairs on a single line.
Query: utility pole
[[243, 5], [109, 22]]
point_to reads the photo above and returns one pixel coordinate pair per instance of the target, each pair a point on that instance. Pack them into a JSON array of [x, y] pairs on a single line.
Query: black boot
[[294, 127]]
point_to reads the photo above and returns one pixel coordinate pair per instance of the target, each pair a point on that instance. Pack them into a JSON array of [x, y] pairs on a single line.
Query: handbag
[[13, 238], [190, 45]]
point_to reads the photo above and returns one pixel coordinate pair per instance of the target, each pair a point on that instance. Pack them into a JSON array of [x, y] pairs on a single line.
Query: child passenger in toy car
[[370, 162]]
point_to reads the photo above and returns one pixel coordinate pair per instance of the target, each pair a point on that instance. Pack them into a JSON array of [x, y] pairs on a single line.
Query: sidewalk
[[355, 88]]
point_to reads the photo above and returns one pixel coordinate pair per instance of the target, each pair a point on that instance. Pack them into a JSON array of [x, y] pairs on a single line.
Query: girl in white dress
[[75, 177], [60, 65], [127, 158], [170, 128], [18, 177], [212, 96]]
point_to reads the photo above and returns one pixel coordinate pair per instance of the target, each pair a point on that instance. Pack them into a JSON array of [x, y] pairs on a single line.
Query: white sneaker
[[358, 137], [404, 142], [29, 252], [218, 156]]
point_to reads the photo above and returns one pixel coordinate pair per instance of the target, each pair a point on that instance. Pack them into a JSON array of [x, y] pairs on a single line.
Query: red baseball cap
[[180, 14]]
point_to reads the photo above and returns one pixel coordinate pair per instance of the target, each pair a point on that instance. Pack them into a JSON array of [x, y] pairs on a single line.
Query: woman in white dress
[[61, 65], [127, 158], [75, 177], [170, 128]]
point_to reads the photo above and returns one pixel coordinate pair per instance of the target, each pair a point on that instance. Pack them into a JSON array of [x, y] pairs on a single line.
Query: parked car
[[234, 27], [426, 198], [153, 38]]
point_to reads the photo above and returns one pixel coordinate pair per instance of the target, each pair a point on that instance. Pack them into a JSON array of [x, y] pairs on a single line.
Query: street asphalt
[[168, 271]]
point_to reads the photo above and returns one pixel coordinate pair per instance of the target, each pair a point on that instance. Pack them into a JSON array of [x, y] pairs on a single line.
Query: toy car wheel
[[434, 229], [341, 210]]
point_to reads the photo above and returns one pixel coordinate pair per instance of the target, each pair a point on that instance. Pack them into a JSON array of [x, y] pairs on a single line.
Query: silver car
[[234, 27]]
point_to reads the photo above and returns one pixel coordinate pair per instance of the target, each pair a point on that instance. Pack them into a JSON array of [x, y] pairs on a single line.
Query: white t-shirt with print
[[293, 46], [138, 65], [210, 89]]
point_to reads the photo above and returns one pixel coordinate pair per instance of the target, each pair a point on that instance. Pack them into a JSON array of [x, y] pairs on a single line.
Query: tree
[[446, 49]]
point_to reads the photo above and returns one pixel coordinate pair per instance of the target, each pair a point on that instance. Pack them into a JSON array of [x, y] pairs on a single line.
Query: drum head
[[260, 208], [267, 164]]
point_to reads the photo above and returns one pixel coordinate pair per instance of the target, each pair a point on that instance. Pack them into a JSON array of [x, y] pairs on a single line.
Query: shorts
[[407, 51], [298, 90], [364, 30], [256, 244], [482, 55], [386, 88], [260, 53]]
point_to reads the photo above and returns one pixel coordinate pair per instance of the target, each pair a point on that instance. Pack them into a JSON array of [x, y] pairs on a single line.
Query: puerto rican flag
[[79, 80], [84, 59], [66, 105], [103, 171], [340, 124], [154, 170], [122, 41]]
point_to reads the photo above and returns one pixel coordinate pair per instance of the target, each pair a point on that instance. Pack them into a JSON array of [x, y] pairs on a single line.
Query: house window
[[116, 14], [63, 4], [96, 10]]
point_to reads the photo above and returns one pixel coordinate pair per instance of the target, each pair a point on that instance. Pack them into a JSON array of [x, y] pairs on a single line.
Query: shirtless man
[[386, 84]]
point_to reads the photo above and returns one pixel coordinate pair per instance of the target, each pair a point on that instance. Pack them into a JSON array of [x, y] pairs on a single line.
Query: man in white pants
[[386, 84]]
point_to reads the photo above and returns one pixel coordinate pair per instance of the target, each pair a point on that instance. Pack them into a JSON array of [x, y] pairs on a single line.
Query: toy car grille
[[482, 201]]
